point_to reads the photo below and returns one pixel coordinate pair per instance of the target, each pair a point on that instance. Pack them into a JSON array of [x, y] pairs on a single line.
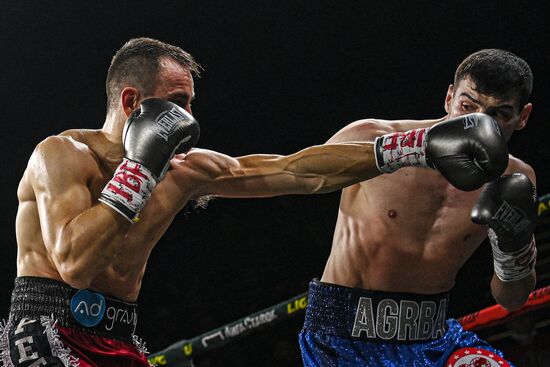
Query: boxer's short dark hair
[[498, 73], [137, 64]]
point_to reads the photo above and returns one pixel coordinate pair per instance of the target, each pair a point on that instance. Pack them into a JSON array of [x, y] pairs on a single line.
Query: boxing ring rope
[[181, 353], [496, 314]]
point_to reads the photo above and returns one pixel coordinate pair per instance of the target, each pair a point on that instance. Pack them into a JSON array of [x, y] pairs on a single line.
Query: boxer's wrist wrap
[[129, 189], [516, 265], [401, 149]]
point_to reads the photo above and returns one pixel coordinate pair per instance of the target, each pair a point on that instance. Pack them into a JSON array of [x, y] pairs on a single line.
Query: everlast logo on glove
[[472, 121], [510, 219], [167, 123]]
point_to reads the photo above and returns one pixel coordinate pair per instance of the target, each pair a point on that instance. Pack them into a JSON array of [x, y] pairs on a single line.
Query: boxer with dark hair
[[93, 203], [401, 238]]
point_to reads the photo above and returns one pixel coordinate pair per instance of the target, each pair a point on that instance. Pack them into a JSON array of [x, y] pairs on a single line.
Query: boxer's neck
[[113, 127]]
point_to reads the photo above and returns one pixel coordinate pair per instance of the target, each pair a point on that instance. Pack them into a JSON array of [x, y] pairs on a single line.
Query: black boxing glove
[[508, 206], [151, 137], [157, 131], [468, 150]]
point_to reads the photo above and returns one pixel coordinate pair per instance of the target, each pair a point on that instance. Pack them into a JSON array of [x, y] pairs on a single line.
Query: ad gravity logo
[[88, 307]]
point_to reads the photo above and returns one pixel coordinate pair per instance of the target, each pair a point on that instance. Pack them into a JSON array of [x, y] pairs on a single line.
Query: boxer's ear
[[524, 116], [129, 100], [449, 98]]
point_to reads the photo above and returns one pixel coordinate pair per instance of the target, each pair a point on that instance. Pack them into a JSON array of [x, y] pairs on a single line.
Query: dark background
[[279, 76]]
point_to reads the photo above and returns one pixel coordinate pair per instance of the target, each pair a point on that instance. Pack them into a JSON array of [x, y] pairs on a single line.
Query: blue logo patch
[[88, 307]]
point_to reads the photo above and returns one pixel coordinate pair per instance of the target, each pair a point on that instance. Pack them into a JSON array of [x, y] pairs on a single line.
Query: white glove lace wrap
[[129, 189], [401, 149], [516, 265]]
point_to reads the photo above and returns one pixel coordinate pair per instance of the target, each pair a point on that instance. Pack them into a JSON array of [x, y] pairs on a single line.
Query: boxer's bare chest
[[410, 220], [420, 202]]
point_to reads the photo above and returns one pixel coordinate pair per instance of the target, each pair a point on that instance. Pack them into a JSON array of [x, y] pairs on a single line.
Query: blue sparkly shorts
[[355, 327]]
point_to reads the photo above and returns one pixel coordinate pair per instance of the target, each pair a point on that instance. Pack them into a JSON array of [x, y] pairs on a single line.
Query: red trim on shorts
[[97, 351]]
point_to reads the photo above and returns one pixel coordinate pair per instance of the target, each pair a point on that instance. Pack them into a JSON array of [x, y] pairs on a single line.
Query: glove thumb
[[486, 205]]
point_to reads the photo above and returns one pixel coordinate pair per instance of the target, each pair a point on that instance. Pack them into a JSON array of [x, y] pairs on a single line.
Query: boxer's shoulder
[[406, 125], [63, 154], [61, 149], [371, 124], [69, 140], [369, 129], [82, 139], [516, 165], [361, 130]]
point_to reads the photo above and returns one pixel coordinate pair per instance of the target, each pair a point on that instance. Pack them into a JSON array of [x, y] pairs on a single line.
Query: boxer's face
[[175, 84], [462, 99]]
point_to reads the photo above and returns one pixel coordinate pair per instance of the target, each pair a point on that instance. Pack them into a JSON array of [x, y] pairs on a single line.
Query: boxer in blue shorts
[[401, 238], [355, 327]]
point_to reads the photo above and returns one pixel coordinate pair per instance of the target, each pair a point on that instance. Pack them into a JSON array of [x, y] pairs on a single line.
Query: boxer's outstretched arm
[[81, 237], [316, 169], [345, 159], [336, 165]]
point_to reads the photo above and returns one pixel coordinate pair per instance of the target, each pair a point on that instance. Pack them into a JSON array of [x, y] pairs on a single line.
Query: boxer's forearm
[[512, 295], [316, 169]]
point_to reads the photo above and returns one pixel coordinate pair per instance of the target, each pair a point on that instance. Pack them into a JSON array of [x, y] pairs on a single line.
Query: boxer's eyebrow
[[464, 94], [506, 106], [181, 97]]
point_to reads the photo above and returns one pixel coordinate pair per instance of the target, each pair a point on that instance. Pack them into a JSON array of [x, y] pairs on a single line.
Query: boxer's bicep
[[204, 172]]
